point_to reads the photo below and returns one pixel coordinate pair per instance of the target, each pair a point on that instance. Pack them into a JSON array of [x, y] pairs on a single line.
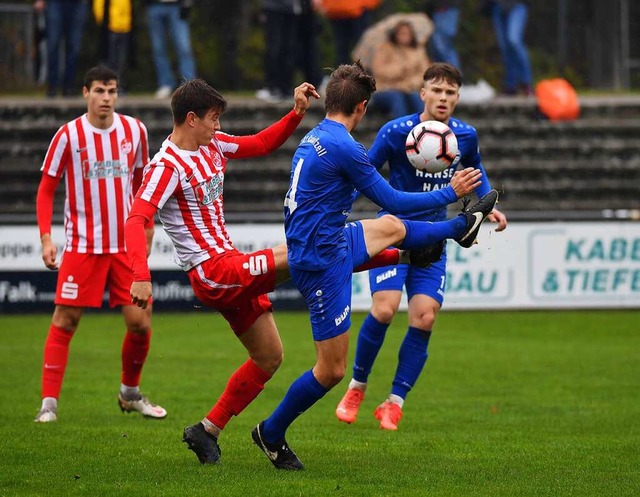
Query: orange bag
[[557, 99], [343, 9]]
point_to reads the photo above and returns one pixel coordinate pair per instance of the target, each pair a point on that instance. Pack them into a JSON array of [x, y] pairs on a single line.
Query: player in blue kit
[[425, 286], [328, 168]]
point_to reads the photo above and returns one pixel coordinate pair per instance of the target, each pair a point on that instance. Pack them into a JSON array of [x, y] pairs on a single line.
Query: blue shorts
[[429, 281], [328, 291]]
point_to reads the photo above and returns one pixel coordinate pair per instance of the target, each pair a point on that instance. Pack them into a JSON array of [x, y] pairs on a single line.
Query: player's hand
[[498, 217], [302, 97], [141, 293], [49, 252], [465, 181]]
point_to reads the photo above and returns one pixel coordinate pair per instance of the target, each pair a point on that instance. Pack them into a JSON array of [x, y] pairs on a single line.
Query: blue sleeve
[[398, 202], [484, 186], [358, 168], [380, 150]]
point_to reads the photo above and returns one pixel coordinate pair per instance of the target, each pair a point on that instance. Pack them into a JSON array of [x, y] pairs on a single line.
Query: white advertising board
[[528, 266]]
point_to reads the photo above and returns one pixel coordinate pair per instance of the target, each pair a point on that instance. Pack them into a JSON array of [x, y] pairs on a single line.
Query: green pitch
[[510, 404]]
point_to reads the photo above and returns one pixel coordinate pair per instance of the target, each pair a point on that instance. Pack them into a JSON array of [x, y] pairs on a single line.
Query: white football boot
[[143, 405], [46, 416]]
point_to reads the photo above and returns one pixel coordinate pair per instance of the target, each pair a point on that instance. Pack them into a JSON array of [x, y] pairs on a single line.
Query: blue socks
[[411, 359], [370, 340], [423, 233], [302, 394]]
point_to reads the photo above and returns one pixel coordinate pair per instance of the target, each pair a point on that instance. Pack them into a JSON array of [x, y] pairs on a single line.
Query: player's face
[[206, 127], [101, 98], [440, 99]]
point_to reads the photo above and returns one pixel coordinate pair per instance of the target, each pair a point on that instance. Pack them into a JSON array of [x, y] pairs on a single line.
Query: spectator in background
[[348, 19], [308, 32], [280, 32], [290, 31], [64, 19], [170, 17], [398, 65], [446, 16], [509, 22], [115, 17], [40, 42]]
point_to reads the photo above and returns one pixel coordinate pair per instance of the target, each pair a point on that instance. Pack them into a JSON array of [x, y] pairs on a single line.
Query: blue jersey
[[328, 168], [389, 146]]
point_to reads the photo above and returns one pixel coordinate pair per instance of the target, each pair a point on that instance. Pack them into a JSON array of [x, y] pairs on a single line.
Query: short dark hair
[[441, 71], [99, 73], [393, 34], [197, 96], [348, 85]]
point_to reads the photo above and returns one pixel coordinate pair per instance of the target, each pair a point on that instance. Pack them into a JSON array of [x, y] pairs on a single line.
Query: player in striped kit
[[425, 286], [184, 185], [101, 155]]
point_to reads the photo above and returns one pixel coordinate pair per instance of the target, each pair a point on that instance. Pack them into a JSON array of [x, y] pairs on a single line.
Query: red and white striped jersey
[[98, 165], [187, 189]]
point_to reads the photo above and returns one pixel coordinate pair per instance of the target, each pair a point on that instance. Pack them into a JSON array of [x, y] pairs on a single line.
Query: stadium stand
[[585, 169]]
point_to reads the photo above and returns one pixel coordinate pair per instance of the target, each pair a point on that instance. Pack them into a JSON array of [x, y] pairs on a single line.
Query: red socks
[[56, 353], [388, 257], [243, 386], [134, 353]]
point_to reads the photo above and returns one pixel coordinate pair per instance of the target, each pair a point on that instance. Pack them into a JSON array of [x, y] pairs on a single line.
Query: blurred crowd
[[396, 48]]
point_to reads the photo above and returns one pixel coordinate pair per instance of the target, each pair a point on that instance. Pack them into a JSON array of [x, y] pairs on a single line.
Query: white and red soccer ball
[[431, 146]]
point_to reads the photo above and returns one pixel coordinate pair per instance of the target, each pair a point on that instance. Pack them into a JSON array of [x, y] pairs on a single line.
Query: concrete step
[[542, 167]]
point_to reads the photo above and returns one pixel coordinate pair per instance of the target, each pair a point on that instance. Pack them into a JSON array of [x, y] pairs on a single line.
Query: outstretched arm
[[272, 137], [397, 202]]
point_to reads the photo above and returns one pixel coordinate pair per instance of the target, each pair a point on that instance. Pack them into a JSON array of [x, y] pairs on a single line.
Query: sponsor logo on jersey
[[210, 190], [100, 169], [126, 146], [69, 289], [314, 141], [257, 265], [342, 316], [386, 275]]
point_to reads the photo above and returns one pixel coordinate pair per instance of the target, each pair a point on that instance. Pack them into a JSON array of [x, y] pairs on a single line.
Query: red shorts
[[82, 279], [236, 284]]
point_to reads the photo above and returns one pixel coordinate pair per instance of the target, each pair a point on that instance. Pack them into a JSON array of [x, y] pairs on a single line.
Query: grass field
[[511, 404]]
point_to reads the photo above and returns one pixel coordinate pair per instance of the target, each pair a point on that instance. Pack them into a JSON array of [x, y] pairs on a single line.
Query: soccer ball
[[431, 146]]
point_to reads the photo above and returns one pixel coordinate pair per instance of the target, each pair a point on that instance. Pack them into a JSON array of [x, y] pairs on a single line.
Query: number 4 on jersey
[[290, 197]]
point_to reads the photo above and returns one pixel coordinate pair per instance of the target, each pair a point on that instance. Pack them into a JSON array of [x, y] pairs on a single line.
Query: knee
[[274, 361], [139, 328], [269, 361], [425, 320], [383, 313], [394, 226], [66, 321], [330, 376]]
